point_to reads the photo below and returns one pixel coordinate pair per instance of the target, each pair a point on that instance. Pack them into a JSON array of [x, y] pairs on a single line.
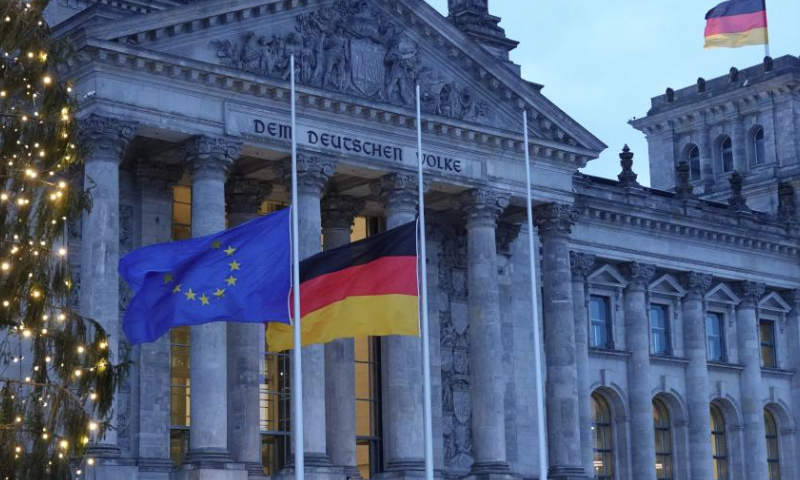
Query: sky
[[602, 60]]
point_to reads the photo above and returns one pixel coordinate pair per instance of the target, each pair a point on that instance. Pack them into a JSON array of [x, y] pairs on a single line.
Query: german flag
[[737, 23], [366, 288]]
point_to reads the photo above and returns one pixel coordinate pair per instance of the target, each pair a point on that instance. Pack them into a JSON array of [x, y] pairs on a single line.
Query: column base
[[255, 471], [567, 473], [155, 465], [112, 469], [211, 458], [491, 471], [312, 473], [103, 450], [351, 471], [210, 471]]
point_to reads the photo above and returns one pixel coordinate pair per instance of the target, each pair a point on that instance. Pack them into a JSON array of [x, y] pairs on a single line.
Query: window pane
[[600, 322], [726, 154], [766, 331], [714, 337], [759, 154], [658, 329], [603, 439]]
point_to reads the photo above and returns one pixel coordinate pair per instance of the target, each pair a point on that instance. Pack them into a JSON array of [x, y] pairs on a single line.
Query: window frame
[[759, 146], [773, 345], [722, 343], [668, 350], [664, 428], [693, 158], [719, 438], [726, 153], [607, 452], [609, 321], [773, 444]]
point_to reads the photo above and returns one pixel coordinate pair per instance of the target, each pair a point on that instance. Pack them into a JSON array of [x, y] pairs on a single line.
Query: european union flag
[[239, 275]]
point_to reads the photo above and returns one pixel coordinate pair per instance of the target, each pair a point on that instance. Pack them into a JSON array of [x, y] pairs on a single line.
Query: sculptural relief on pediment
[[352, 48]]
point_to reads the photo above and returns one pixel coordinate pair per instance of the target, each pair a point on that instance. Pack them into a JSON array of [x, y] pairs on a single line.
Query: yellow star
[[215, 244], [176, 289], [219, 293], [204, 300], [231, 280], [235, 265], [167, 278], [229, 250], [190, 295]]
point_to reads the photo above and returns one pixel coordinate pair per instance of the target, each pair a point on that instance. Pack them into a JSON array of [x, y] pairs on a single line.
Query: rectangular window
[[275, 402], [659, 330], [714, 338], [600, 322], [766, 334]]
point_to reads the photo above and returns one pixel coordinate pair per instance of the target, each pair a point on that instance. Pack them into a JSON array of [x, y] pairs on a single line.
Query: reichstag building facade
[[669, 314]]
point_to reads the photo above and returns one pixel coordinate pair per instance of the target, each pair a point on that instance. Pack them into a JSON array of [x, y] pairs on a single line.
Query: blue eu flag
[[238, 275]]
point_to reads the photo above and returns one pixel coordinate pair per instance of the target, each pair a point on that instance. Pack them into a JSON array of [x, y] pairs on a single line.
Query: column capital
[[793, 298], [555, 219], [483, 206], [638, 274], [398, 191], [696, 283], [581, 265], [210, 157], [156, 179], [313, 172], [106, 137], [245, 195], [750, 293], [506, 234], [339, 211]]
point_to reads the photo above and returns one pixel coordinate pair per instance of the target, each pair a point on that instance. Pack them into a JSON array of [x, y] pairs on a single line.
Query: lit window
[[726, 154], [719, 447], [275, 402], [714, 337], [759, 154], [661, 423], [600, 315], [659, 330], [766, 334], [603, 460], [773, 455], [694, 164]]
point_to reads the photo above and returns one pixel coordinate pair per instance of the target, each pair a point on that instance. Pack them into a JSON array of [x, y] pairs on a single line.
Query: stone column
[[209, 160], [640, 398], [582, 264], [402, 356], [338, 214], [106, 139], [155, 186], [706, 157], [246, 345], [793, 344], [483, 208], [694, 335], [554, 222], [312, 175], [750, 356]]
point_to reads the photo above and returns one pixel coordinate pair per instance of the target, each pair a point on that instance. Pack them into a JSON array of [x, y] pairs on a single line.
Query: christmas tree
[[56, 376]]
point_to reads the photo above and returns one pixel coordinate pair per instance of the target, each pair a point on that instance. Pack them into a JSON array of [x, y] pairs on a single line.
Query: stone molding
[[313, 173], [581, 265], [106, 137], [750, 293], [398, 192], [638, 274], [483, 206], [555, 219], [156, 179], [245, 195], [210, 157], [696, 284], [339, 211]]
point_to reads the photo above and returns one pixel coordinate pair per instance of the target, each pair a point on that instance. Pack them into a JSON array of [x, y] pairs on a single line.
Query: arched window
[[726, 154], [773, 455], [759, 155], [663, 441], [694, 164], [603, 440], [719, 448]]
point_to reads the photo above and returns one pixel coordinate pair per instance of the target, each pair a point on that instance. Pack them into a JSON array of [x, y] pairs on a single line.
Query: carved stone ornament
[[245, 195], [156, 179], [581, 264], [555, 219], [210, 157], [638, 274], [506, 234], [787, 206], [696, 283], [627, 178], [313, 172], [483, 206], [339, 211], [750, 292], [683, 189], [398, 192], [106, 137], [353, 48], [737, 202]]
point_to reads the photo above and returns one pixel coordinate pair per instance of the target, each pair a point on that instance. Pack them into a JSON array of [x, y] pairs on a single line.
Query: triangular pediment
[[667, 285], [722, 294], [607, 276], [773, 302], [371, 50]]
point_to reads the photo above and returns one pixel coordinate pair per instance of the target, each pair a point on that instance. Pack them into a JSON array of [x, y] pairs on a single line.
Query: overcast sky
[[602, 61]]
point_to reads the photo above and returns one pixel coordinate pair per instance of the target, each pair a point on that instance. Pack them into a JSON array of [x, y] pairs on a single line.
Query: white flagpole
[[297, 365], [426, 348], [535, 302]]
